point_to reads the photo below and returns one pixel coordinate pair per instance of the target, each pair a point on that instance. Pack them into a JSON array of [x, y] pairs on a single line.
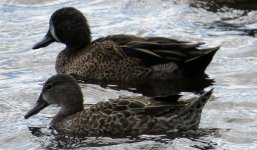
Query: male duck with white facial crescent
[[120, 57]]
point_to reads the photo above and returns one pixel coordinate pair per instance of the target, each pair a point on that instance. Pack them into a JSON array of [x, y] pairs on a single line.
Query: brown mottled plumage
[[117, 117], [120, 57]]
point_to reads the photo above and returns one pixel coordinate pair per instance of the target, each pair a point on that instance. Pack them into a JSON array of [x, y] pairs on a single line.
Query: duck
[[123, 116], [120, 57]]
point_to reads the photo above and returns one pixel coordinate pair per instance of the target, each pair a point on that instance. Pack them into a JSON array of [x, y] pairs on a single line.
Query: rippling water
[[228, 121]]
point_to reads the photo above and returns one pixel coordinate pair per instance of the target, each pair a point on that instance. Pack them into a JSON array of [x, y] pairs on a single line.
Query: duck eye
[[49, 86]]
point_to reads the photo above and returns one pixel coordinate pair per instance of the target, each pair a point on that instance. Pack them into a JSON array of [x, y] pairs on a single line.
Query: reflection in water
[[234, 23], [239, 28], [58, 141], [218, 5], [161, 87]]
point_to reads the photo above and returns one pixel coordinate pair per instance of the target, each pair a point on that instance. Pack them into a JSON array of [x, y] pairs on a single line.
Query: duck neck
[[66, 111], [74, 49], [79, 42]]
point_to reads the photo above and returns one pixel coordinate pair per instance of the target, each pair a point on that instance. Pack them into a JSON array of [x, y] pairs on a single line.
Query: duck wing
[[154, 51], [141, 105], [161, 106]]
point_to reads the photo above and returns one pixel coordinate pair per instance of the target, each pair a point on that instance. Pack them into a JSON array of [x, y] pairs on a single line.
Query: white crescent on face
[[52, 31]]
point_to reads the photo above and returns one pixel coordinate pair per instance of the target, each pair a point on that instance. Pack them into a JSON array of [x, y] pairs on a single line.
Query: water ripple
[[233, 69]]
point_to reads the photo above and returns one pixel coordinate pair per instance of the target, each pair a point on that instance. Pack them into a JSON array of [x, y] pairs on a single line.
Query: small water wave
[[231, 73]]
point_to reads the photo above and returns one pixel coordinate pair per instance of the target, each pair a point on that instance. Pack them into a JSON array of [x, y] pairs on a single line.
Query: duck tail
[[197, 65], [190, 116]]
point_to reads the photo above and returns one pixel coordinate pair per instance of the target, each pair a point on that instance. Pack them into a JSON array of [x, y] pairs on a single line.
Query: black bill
[[48, 39], [41, 104]]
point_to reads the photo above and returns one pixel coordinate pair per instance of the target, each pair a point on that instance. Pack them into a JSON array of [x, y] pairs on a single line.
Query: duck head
[[60, 89], [69, 26]]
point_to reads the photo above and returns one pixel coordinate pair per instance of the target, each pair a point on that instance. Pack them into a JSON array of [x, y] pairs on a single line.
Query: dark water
[[228, 121]]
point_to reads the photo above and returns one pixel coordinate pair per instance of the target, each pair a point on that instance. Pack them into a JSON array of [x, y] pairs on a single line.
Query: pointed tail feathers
[[199, 103], [190, 116], [197, 65]]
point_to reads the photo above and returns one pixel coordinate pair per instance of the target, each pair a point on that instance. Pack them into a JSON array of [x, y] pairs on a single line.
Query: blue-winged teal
[[120, 57], [116, 117]]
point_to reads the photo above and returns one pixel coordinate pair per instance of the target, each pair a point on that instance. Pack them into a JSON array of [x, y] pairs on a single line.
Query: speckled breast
[[102, 60]]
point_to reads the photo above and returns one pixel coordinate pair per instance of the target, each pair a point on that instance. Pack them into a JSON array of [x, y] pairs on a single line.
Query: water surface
[[228, 121]]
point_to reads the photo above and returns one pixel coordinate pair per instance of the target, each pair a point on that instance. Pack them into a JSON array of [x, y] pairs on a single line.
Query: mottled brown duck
[[120, 57], [117, 117]]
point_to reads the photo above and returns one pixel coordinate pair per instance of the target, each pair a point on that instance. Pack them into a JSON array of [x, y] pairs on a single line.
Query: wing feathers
[[158, 50]]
